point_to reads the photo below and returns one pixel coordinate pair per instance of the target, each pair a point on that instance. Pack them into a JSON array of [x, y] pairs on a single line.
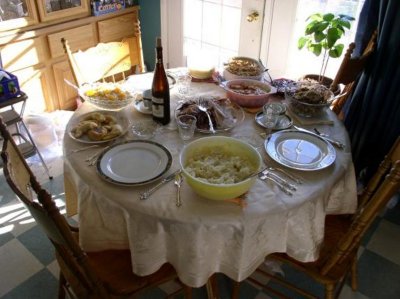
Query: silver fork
[[263, 177], [289, 175], [283, 181], [203, 107]]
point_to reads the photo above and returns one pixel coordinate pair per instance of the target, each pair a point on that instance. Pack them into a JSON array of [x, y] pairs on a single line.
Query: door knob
[[253, 17]]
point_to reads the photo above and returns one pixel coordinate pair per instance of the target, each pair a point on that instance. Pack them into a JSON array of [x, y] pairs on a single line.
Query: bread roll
[[97, 134]]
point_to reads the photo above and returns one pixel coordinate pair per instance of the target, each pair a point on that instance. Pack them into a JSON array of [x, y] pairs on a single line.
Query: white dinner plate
[[121, 120], [300, 150], [135, 162]]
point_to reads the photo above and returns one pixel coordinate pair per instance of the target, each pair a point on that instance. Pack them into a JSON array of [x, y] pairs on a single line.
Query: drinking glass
[[271, 116], [186, 126], [183, 81]]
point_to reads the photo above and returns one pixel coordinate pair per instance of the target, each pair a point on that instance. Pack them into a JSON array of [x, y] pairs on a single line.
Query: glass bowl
[[309, 100], [107, 96], [145, 129]]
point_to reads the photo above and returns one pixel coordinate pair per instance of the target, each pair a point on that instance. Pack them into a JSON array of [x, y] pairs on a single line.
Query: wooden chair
[[105, 274], [349, 70], [343, 234], [106, 62]]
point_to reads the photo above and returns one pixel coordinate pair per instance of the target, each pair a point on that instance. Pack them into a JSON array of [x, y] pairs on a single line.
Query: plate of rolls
[[98, 126]]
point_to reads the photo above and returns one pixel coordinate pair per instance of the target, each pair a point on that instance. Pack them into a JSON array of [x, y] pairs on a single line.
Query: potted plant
[[322, 36]]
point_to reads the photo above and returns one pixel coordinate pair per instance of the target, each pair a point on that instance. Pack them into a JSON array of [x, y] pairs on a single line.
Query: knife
[[146, 194], [336, 143]]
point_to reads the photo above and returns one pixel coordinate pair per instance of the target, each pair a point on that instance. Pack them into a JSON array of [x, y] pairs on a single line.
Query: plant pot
[[326, 81]]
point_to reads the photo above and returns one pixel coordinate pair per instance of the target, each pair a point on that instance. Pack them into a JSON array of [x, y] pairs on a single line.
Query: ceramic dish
[[248, 93], [228, 114], [300, 150], [132, 163], [285, 122], [121, 120]]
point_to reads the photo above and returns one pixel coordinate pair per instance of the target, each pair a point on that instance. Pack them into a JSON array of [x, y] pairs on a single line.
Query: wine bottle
[[160, 89]]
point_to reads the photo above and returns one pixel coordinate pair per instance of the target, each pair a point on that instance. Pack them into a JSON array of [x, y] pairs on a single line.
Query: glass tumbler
[[186, 126], [272, 114]]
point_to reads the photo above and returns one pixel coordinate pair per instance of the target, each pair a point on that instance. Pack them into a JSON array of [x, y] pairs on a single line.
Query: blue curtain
[[373, 113]]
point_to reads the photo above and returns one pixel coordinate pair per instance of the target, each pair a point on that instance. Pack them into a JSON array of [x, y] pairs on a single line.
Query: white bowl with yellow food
[[241, 67], [98, 126], [219, 167], [107, 96]]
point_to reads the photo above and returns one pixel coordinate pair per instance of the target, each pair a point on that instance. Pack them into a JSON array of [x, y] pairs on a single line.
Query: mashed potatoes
[[217, 166]]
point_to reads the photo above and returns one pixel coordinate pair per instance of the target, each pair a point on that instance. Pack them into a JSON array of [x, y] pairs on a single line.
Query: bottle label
[[157, 100], [158, 110]]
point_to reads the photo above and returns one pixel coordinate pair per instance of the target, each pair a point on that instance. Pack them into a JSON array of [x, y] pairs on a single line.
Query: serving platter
[[284, 122], [119, 117], [228, 113], [133, 163], [300, 150]]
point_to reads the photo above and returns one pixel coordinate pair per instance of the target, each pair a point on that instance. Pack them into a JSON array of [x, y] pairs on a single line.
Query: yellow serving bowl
[[226, 145]]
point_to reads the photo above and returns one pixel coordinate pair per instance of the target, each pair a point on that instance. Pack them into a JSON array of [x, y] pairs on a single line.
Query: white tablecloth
[[203, 237]]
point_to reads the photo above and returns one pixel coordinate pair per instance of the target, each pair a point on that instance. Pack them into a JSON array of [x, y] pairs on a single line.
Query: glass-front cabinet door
[[17, 13], [50, 10]]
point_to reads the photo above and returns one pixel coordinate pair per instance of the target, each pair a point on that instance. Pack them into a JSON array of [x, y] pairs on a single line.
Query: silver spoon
[[178, 183]]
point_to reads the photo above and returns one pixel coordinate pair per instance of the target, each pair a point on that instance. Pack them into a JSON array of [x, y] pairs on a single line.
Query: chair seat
[[114, 268], [336, 227]]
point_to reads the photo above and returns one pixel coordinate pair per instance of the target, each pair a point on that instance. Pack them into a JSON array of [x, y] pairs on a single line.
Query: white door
[[187, 24], [217, 29]]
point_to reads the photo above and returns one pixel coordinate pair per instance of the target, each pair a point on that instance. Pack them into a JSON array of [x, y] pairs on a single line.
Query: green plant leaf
[[341, 30], [315, 48], [344, 23], [328, 17], [332, 36], [322, 26], [336, 51], [301, 42], [346, 17], [312, 27], [319, 36], [315, 17]]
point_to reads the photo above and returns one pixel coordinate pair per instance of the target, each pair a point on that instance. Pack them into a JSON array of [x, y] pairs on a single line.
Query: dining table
[[202, 236]]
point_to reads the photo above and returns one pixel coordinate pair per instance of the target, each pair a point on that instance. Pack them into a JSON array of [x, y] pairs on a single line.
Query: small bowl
[[145, 129], [229, 146], [309, 104], [241, 67], [253, 99]]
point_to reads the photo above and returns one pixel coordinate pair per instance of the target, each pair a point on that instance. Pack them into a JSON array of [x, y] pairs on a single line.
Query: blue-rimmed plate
[[300, 150], [135, 162]]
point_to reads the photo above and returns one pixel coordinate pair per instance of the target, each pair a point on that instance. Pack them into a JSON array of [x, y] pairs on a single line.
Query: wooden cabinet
[[20, 13], [110, 30], [35, 54], [66, 93], [81, 37], [50, 10]]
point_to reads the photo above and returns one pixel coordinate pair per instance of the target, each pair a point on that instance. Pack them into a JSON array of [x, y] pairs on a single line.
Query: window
[[301, 61]]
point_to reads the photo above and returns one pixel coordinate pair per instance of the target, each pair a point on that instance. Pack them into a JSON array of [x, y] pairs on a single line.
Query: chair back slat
[[383, 186], [106, 62], [391, 157], [45, 212]]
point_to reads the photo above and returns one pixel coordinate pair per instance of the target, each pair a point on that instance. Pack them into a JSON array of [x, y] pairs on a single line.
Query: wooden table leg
[[212, 288]]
